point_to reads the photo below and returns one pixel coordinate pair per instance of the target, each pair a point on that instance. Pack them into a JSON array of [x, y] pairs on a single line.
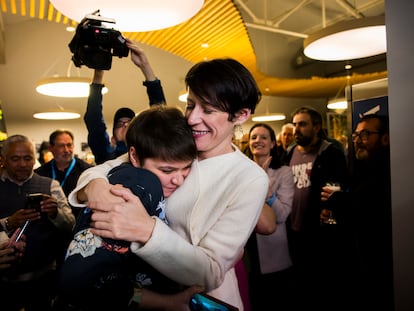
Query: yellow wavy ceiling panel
[[220, 25]]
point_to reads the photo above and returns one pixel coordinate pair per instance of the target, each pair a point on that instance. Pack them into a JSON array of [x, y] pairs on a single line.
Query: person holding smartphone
[[11, 249], [33, 280]]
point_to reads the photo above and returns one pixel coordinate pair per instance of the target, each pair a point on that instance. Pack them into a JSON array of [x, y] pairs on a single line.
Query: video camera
[[94, 44]]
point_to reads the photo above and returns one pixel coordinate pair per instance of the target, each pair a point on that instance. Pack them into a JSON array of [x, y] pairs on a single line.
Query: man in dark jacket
[[64, 167], [366, 211], [314, 162]]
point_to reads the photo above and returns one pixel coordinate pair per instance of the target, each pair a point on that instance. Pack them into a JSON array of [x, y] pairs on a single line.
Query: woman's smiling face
[[260, 141], [212, 130]]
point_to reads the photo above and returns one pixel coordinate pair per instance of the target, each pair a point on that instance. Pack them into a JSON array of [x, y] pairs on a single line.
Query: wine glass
[[333, 186]]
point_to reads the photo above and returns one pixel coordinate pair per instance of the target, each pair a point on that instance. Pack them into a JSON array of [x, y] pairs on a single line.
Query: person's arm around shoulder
[[206, 261], [95, 192]]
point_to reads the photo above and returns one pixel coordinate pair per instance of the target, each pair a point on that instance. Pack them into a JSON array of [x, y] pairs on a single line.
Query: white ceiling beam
[[276, 30], [285, 16], [350, 9], [248, 11]]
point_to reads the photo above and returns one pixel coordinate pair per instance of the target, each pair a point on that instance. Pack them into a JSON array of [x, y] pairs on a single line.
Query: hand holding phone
[[33, 201], [204, 302]]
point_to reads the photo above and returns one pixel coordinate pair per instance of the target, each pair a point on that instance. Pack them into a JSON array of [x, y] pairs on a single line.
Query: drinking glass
[[333, 186]]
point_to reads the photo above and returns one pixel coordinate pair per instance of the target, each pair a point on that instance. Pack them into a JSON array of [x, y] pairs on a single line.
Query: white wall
[[38, 133], [400, 32]]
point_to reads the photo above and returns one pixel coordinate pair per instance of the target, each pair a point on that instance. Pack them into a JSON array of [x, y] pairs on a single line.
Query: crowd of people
[[173, 207]]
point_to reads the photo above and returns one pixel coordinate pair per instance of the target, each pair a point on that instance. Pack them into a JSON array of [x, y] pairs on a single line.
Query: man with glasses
[[366, 211], [103, 147]]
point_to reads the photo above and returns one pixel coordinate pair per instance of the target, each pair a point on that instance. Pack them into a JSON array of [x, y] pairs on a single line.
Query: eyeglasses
[[121, 123], [363, 135]]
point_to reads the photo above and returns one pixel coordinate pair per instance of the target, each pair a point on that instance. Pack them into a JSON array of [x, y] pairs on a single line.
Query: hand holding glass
[[332, 186]]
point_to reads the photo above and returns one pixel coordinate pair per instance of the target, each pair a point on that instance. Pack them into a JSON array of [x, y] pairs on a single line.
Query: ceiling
[[265, 35]]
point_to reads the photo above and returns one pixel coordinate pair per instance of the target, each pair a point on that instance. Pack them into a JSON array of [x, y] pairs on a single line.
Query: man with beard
[[314, 247], [366, 208]]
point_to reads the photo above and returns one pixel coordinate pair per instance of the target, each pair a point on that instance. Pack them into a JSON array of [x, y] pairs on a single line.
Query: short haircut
[[384, 126], [287, 125], [123, 112], [225, 84], [161, 132], [57, 133], [315, 116], [15, 139]]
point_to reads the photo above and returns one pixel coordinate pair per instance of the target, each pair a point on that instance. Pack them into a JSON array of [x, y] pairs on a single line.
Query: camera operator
[[103, 147]]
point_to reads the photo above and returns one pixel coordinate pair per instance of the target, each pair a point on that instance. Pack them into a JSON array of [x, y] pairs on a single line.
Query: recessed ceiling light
[[70, 29], [337, 104], [268, 117], [56, 115]]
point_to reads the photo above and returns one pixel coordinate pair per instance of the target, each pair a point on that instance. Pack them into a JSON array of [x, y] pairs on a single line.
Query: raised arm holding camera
[[94, 46]]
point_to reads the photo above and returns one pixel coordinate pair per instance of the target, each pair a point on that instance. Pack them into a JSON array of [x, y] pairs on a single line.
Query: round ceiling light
[[347, 40], [65, 87], [133, 15], [56, 115]]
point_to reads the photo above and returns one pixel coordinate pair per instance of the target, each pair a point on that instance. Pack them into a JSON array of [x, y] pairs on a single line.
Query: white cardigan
[[210, 219]]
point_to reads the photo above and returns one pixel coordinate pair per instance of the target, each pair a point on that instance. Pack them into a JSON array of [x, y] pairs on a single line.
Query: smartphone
[[33, 201], [205, 302]]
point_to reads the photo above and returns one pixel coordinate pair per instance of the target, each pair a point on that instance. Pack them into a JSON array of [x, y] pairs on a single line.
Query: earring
[[238, 132]]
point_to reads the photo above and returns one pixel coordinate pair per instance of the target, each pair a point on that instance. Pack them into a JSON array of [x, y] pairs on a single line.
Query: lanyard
[[72, 164]]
